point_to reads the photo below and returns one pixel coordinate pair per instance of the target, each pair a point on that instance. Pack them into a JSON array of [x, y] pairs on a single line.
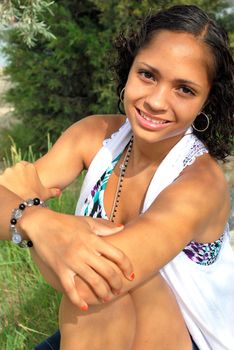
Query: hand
[[87, 293], [83, 289], [69, 246], [23, 180]]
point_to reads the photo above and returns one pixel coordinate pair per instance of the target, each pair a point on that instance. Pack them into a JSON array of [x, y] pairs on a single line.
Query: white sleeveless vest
[[205, 294]]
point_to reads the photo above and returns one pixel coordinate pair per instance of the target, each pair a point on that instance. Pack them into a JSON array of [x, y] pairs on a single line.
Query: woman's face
[[167, 86]]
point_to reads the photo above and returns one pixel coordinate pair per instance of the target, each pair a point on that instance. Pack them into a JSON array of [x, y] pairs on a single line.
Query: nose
[[156, 100]]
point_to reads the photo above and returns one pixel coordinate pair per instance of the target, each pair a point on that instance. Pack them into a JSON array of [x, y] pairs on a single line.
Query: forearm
[[147, 247], [8, 201], [18, 184]]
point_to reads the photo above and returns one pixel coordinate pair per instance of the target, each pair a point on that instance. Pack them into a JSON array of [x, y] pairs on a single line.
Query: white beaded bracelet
[[16, 215]]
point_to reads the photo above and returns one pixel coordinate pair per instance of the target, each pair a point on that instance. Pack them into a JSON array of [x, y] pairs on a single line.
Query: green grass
[[28, 306]]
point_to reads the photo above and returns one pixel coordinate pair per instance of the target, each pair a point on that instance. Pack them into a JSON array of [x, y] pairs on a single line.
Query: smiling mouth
[[152, 120]]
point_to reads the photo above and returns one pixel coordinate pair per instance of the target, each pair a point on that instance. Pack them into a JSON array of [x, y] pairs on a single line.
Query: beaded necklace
[[122, 169]]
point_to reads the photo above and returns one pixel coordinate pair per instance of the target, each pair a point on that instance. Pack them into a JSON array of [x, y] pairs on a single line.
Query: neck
[[151, 154]]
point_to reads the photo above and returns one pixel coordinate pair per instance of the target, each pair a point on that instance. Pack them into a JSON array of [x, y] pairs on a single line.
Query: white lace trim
[[197, 149], [106, 141]]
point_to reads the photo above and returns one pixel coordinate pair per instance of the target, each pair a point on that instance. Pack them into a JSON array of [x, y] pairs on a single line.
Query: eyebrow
[[181, 81]]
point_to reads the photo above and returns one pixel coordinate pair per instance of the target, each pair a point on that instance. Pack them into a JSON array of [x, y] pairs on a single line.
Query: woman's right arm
[[54, 171], [56, 237], [57, 169]]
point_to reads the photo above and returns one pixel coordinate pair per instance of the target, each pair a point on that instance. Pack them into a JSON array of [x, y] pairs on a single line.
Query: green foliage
[[14, 154], [26, 15], [29, 307], [52, 81], [59, 81]]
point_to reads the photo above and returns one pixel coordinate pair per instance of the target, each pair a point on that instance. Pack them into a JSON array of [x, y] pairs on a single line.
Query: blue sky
[[2, 58]]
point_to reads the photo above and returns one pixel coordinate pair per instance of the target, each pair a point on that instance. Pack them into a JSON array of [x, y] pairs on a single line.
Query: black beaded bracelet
[[16, 215]]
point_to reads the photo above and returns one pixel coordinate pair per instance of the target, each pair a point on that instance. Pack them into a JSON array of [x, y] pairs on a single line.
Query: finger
[[98, 284], [103, 267], [22, 165], [69, 287], [106, 231], [105, 227], [23, 162], [86, 292], [54, 192], [118, 257]]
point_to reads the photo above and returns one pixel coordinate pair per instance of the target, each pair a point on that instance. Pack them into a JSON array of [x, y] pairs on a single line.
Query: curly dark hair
[[191, 19]]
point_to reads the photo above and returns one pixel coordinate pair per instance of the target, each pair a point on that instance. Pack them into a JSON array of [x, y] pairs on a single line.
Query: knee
[[116, 317], [122, 307]]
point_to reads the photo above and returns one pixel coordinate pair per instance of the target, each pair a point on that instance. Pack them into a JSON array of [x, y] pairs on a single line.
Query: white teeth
[[152, 120]]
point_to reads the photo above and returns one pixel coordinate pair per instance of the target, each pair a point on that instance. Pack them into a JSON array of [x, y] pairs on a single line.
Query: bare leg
[[148, 318], [108, 326], [159, 322]]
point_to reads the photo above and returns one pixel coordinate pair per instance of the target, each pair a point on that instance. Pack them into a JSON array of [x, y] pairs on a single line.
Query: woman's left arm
[[194, 207]]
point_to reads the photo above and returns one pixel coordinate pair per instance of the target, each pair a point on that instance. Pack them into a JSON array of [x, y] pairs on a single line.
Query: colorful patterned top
[[201, 253]]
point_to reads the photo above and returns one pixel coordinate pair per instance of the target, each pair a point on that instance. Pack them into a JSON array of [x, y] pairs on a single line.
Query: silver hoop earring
[[121, 95], [206, 127]]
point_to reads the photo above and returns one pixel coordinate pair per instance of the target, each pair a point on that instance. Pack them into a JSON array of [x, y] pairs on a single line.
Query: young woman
[[154, 171]]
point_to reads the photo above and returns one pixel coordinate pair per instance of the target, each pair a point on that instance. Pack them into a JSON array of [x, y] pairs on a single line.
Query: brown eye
[[146, 74], [186, 90]]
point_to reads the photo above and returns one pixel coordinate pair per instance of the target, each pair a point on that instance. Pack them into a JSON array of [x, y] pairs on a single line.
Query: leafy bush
[[59, 81], [52, 82]]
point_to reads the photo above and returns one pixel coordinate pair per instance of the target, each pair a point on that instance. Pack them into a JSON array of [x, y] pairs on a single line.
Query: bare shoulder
[[75, 149], [207, 177], [197, 202], [205, 184], [91, 131], [103, 124]]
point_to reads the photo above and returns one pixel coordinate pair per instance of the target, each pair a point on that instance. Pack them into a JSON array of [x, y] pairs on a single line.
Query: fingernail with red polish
[[84, 307], [132, 276]]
